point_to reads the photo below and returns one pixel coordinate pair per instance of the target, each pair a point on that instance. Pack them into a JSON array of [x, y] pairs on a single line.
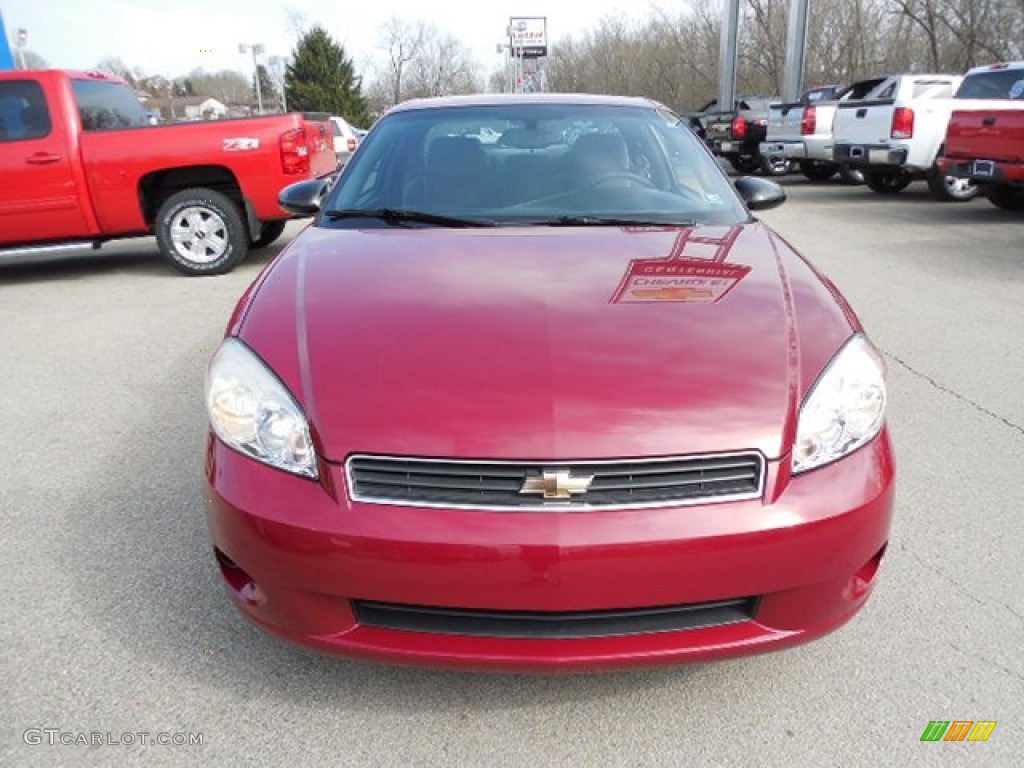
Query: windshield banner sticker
[[681, 280]]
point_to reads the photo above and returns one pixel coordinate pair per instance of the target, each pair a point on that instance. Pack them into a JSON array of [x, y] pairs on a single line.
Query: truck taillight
[[294, 152], [809, 122], [738, 128], [351, 145], [903, 123]]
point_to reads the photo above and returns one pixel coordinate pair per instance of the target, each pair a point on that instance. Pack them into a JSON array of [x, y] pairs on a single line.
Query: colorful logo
[[958, 730]]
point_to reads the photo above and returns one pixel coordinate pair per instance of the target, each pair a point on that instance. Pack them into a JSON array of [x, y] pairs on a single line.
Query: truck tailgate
[[719, 126], [864, 122], [989, 135], [784, 122]]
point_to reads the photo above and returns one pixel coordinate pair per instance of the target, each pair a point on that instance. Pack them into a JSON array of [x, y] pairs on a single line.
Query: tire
[[744, 163], [849, 175], [269, 233], [1006, 196], [887, 182], [200, 232], [951, 189], [775, 166], [818, 171]]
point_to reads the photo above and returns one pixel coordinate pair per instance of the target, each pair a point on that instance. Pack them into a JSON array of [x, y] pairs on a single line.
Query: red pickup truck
[[81, 164], [986, 145]]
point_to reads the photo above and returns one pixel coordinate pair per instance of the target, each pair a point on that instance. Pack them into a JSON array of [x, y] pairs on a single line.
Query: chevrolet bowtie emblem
[[556, 484]]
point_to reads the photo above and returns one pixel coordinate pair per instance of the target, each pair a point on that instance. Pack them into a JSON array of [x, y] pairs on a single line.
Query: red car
[[554, 401]]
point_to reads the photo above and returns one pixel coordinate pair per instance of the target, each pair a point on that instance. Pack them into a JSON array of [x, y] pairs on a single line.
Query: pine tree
[[320, 78]]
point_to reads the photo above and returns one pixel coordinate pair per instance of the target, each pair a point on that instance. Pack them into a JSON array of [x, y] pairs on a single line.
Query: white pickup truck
[[801, 132], [895, 134]]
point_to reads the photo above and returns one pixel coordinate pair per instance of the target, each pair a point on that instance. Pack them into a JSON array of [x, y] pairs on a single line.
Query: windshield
[[534, 163], [993, 84]]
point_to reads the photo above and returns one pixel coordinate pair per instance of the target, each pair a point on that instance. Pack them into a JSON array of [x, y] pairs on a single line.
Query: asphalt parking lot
[[116, 622]]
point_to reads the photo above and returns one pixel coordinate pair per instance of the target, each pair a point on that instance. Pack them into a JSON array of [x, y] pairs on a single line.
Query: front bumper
[[299, 559]]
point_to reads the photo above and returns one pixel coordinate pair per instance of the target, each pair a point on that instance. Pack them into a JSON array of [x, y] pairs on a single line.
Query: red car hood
[[546, 343]]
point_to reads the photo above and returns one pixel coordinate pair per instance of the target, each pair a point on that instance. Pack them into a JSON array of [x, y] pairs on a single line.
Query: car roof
[[502, 99], [1000, 66]]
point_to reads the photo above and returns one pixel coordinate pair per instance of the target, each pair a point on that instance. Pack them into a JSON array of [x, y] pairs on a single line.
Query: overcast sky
[[172, 37]]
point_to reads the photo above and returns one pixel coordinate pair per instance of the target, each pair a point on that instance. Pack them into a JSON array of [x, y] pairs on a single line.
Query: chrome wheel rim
[[958, 187], [199, 235]]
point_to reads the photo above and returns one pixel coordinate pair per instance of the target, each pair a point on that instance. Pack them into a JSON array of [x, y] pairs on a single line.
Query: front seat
[[456, 174]]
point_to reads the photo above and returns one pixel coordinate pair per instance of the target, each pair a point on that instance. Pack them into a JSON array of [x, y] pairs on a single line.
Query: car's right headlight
[[844, 409], [254, 413]]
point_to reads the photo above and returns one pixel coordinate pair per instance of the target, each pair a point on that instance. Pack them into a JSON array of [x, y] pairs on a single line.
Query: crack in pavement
[[942, 388], [985, 660], [960, 587]]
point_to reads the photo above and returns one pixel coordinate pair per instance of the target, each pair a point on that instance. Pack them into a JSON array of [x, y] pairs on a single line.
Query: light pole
[[279, 66], [256, 48], [20, 40]]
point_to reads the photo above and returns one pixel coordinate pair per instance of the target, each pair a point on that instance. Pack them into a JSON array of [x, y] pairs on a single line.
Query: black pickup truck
[[737, 134]]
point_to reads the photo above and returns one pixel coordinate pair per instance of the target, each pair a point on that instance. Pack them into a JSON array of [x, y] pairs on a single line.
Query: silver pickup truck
[[801, 131]]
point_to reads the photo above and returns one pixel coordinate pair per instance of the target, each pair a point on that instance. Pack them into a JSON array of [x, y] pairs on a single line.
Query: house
[[188, 108]]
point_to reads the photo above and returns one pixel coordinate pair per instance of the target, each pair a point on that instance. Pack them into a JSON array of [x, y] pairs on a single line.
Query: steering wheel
[[617, 176]]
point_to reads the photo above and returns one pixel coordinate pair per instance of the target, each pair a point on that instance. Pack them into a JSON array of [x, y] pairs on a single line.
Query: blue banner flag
[[6, 60]]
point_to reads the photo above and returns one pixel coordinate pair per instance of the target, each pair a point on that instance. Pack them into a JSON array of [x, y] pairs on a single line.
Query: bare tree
[[34, 61], [673, 56], [116, 66], [764, 30], [421, 60], [403, 42], [444, 66], [227, 85], [497, 81], [297, 22]]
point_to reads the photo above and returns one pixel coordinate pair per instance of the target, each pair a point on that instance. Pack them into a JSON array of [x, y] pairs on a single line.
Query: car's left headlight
[[844, 409], [254, 413]]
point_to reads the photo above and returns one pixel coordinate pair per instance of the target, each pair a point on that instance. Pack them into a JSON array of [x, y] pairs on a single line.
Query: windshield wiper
[[397, 216], [607, 221]]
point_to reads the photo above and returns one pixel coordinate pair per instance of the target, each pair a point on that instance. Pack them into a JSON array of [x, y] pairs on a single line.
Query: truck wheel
[[775, 166], [269, 233], [818, 171], [744, 163], [1006, 196], [951, 188], [849, 175], [200, 232], [887, 182]]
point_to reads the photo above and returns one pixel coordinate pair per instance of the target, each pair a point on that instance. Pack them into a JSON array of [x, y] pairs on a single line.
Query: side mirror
[[760, 194], [303, 198]]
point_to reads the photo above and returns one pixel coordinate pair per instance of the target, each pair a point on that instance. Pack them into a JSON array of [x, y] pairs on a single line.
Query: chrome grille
[[499, 484]]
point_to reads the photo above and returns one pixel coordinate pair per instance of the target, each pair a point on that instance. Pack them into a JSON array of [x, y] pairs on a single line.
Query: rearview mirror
[[303, 198], [760, 194]]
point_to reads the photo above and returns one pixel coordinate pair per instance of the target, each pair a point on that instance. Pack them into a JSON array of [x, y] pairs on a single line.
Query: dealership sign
[[528, 37]]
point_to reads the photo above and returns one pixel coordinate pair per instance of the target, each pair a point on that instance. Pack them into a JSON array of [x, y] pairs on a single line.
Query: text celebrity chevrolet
[[535, 391]]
